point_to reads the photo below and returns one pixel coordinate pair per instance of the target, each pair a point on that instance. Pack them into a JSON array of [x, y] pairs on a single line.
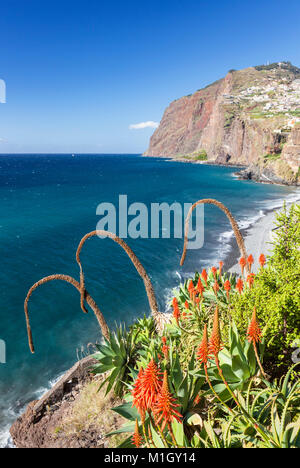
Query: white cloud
[[141, 125]]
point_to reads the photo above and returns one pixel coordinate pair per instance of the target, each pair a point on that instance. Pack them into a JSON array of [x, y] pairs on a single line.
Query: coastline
[[257, 228], [257, 237], [243, 173]]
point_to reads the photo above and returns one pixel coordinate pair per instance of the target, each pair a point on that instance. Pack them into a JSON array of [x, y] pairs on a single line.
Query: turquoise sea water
[[48, 202]]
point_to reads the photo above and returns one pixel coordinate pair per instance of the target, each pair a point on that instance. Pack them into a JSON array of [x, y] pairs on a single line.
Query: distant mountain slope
[[251, 117]]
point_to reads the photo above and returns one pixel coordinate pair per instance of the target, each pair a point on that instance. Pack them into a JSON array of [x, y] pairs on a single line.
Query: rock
[[238, 120], [38, 426]]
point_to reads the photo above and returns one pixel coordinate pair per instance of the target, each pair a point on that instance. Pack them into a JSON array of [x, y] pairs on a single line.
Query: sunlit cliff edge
[[251, 118]]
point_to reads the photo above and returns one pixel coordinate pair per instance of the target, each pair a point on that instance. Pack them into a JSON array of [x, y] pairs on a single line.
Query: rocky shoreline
[[251, 118], [253, 172], [64, 417], [36, 427]]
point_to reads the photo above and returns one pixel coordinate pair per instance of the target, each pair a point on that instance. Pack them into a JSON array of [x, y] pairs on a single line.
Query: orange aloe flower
[[227, 287], [242, 263], [240, 285], [165, 350], [186, 305], [165, 407], [214, 271], [192, 291], [221, 264], [150, 385], [202, 351], [250, 279], [262, 260], [204, 276], [215, 339], [200, 287], [250, 261], [137, 438], [197, 400], [176, 311], [254, 332], [136, 392], [164, 339], [216, 287]]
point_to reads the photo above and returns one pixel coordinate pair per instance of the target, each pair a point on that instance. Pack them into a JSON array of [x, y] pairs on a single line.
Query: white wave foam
[[11, 415], [278, 202]]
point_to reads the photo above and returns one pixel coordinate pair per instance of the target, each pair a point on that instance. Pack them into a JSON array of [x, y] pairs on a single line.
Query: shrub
[[276, 291]]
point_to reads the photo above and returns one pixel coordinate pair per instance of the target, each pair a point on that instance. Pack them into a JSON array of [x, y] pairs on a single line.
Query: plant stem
[[160, 431], [245, 413], [172, 435], [145, 435], [213, 390], [258, 361]]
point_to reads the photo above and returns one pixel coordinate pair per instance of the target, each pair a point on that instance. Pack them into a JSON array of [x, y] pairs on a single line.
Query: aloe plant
[[116, 356]]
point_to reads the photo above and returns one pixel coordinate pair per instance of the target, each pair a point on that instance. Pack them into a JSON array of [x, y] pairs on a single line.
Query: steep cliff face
[[250, 117]]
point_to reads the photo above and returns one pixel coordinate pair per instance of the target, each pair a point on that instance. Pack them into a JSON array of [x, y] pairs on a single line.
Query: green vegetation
[[229, 117], [271, 157], [195, 156], [218, 371], [201, 156], [276, 292], [90, 414], [212, 363], [275, 66]]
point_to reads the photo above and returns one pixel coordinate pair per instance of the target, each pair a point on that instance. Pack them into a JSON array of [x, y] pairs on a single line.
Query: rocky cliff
[[251, 117]]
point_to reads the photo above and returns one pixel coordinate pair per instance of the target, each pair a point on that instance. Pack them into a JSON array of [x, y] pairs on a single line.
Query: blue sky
[[78, 74]]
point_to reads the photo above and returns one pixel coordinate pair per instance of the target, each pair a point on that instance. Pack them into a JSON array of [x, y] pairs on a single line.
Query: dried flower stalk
[[73, 282], [159, 318], [237, 233]]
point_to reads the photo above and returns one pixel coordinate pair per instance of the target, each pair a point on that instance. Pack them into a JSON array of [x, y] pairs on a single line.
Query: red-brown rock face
[[248, 115], [291, 151]]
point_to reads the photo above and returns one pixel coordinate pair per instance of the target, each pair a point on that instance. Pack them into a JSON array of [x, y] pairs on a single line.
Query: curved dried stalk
[[73, 282], [158, 316], [237, 233]]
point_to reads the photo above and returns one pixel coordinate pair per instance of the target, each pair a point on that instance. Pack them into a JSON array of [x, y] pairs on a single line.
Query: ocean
[[48, 202]]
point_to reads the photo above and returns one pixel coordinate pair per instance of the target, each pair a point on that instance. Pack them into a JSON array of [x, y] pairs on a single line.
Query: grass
[[92, 410], [272, 157], [195, 156]]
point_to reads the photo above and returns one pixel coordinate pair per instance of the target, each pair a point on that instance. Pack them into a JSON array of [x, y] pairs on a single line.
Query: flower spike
[[216, 287], [250, 279], [250, 261], [254, 337], [215, 340], [202, 352], [240, 285], [137, 438], [262, 260], [165, 407], [254, 332], [242, 263], [204, 276], [200, 287], [146, 388], [176, 311], [138, 401], [227, 287]]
